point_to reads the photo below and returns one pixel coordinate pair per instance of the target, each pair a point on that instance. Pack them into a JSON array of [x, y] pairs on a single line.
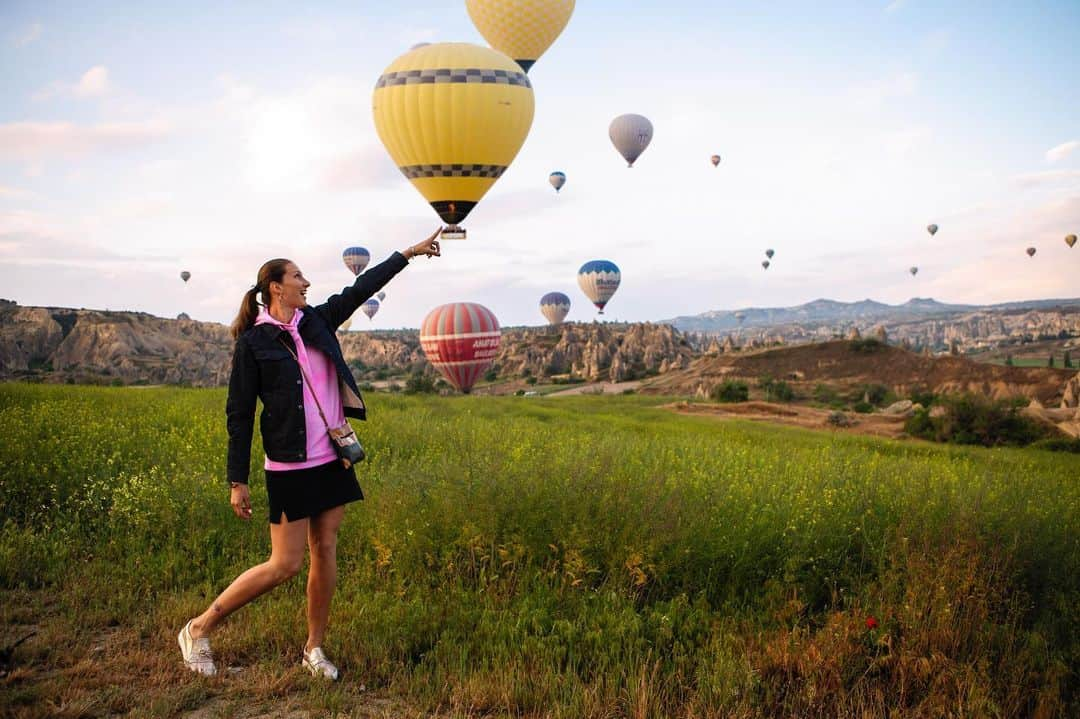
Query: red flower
[[871, 623]]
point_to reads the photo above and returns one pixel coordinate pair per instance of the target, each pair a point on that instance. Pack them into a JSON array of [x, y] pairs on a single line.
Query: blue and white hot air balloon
[[356, 259], [557, 180], [555, 306], [370, 307], [599, 279]]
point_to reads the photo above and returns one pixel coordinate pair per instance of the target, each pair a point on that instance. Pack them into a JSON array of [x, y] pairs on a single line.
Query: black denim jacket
[[263, 369]]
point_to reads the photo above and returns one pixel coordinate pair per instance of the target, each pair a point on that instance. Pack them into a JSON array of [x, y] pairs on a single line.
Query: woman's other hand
[[429, 247], [240, 499]]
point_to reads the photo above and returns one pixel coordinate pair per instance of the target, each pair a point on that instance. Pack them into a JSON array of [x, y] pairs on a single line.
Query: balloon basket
[[453, 232]]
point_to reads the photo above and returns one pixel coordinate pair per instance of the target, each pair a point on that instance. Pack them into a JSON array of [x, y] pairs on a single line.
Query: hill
[[844, 366]]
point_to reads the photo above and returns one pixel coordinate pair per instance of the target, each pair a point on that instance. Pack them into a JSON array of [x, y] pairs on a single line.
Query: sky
[[141, 139]]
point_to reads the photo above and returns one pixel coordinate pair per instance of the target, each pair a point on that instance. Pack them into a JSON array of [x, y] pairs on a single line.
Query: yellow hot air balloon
[[521, 29], [453, 116]]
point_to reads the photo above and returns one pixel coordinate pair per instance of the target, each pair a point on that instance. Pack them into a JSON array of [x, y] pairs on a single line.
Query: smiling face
[[291, 292]]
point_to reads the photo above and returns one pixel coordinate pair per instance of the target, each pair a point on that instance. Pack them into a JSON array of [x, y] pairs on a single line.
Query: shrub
[[923, 396], [530, 380], [863, 407], [1050, 361], [491, 375], [824, 393], [1059, 444], [875, 394], [776, 390], [419, 383], [973, 419], [519, 393], [866, 346], [839, 419], [730, 391]]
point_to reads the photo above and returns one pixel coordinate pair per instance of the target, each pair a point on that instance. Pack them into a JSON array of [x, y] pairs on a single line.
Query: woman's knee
[[324, 546], [285, 568]]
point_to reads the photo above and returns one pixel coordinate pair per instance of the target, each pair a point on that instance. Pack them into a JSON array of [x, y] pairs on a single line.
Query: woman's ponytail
[[271, 271], [249, 310]]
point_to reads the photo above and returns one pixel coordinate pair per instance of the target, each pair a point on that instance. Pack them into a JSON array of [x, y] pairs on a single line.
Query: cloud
[[1055, 154], [1047, 177], [27, 36], [895, 5], [15, 193], [94, 82], [37, 141], [364, 168]]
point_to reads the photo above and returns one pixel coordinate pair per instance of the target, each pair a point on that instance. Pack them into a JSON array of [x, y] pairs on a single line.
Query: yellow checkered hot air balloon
[[453, 117], [522, 29]]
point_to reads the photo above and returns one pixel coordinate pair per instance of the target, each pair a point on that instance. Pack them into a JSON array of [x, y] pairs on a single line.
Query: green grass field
[[562, 557]]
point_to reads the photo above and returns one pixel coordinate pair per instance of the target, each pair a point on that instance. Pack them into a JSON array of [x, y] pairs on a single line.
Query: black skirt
[[304, 493]]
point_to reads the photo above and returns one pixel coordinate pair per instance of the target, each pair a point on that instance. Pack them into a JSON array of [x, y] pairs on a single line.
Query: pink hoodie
[[323, 374]]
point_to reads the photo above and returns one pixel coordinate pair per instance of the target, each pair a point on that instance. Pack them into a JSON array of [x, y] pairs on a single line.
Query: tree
[[1008, 360], [1066, 360], [1050, 361]]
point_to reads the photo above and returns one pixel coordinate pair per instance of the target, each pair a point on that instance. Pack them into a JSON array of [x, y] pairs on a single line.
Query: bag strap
[[308, 379]]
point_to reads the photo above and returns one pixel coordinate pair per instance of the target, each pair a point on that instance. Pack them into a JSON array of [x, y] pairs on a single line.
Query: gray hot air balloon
[[1031, 251], [381, 296], [932, 229], [765, 264], [770, 253], [630, 134], [185, 275], [914, 271]]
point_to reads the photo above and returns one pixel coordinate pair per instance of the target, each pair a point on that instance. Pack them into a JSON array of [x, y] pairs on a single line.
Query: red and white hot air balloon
[[461, 340]]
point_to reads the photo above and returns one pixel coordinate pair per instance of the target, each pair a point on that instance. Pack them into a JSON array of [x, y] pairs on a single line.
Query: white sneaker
[[317, 663], [196, 652]]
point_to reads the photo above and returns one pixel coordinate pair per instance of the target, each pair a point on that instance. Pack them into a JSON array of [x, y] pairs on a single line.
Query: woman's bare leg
[[286, 559], [322, 577]]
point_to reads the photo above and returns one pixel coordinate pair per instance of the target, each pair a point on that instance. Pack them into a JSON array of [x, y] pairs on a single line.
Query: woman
[[288, 356]]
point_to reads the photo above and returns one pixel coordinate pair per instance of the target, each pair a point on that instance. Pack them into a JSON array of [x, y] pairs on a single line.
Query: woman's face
[[293, 288]]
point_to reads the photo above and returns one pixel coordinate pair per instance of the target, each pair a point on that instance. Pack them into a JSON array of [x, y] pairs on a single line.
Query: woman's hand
[[240, 500], [429, 247]]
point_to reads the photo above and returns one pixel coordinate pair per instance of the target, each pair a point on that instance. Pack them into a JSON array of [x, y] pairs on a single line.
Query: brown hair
[[271, 271]]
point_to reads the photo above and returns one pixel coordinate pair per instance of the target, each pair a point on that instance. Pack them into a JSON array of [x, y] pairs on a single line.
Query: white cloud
[[1047, 177], [37, 141], [895, 5], [1055, 154], [94, 82], [27, 36]]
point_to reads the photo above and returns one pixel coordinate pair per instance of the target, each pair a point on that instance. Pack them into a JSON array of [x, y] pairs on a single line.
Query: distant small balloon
[[555, 306], [770, 253], [369, 308], [715, 159], [185, 275], [765, 264], [356, 259], [914, 271], [932, 229], [381, 296], [557, 180], [1070, 240], [1031, 252], [630, 134]]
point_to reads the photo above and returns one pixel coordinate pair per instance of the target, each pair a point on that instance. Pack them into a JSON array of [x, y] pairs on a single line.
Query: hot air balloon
[[740, 316], [356, 259], [557, 180], [555, 306], [461, 340], [453, 116], [521, 29], [381, 296], [932, 229], [630, 134], [599, 279], [914, 271], [1030, 252], [715, 159], [1070, 240], [344, 326], [185, 275], [765, 264], [770, 253], [370, 307]]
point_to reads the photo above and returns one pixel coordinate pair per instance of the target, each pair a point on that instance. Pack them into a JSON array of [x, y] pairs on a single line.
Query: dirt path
[[597, 388], [793, 415]]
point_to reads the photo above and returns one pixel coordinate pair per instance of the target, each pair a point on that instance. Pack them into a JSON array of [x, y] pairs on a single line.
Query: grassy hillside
[[573, 557]]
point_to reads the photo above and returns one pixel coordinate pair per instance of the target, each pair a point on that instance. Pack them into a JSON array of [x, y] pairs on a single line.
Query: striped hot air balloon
[[370, 307], [356, 259], [555, 306], [630, 134], [521, 29], [453, 117], [461, 340], [557, 180], [599, 279]]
